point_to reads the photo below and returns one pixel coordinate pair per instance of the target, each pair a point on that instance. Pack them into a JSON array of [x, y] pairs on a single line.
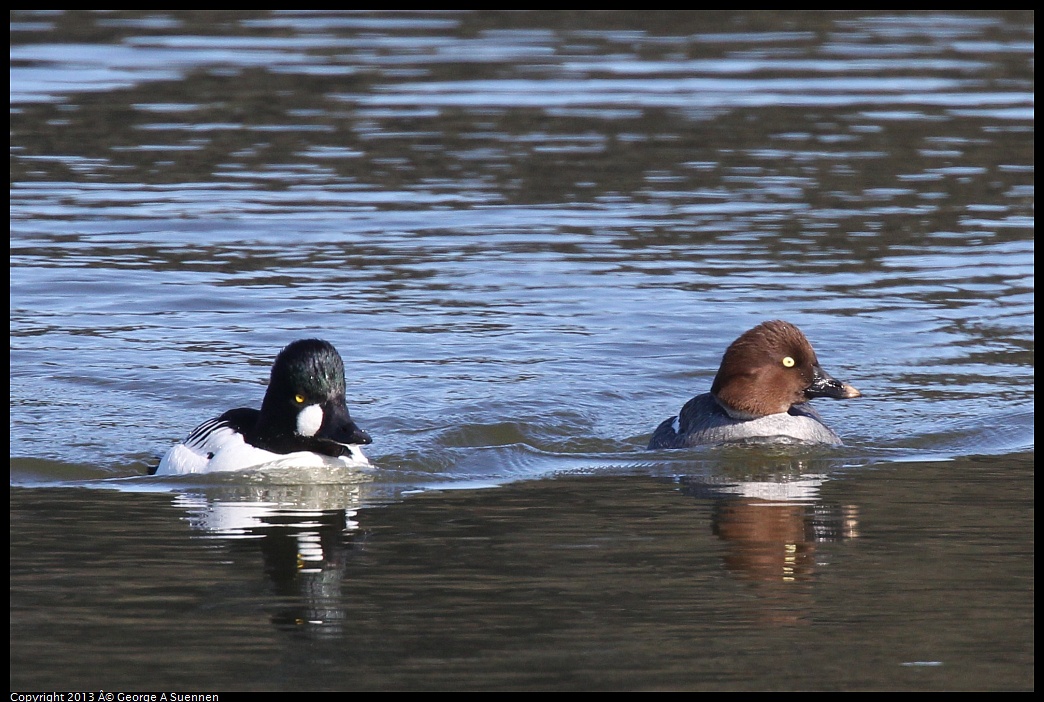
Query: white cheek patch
[[676, 424], [309, 420]]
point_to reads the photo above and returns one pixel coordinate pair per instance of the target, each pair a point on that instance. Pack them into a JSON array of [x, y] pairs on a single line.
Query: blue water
[[531, 236]]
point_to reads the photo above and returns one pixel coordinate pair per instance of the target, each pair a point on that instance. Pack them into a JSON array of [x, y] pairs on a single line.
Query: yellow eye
[[299, 399], [788, 361]]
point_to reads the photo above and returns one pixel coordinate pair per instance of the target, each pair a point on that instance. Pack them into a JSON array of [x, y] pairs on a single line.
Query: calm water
[[531, 236]]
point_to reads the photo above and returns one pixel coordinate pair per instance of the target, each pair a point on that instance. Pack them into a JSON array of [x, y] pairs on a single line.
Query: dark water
[[531, 236]]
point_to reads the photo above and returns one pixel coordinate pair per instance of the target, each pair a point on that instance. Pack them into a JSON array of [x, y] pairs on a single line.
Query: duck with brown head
[[766, 378]]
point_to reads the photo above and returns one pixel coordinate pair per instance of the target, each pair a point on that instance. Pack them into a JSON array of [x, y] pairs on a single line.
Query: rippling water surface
[[531, 236]]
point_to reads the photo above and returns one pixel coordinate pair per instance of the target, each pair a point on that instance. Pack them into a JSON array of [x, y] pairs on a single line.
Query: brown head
[[770, 368]]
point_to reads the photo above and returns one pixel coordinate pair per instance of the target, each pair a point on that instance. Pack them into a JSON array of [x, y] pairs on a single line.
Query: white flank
[[218, 448]]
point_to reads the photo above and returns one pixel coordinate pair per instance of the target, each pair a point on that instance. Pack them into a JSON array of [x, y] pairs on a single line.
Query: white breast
[[221, 449]]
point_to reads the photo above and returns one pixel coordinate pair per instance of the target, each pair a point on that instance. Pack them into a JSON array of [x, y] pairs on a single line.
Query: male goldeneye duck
[[303, 422], [766, 376]]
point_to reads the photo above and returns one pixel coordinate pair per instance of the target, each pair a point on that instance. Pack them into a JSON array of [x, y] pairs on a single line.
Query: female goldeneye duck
[[766, 376], [303, 422]]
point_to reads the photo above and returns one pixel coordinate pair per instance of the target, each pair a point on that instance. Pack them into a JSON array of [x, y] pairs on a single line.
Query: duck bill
[[825, 385], [340, 428]]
